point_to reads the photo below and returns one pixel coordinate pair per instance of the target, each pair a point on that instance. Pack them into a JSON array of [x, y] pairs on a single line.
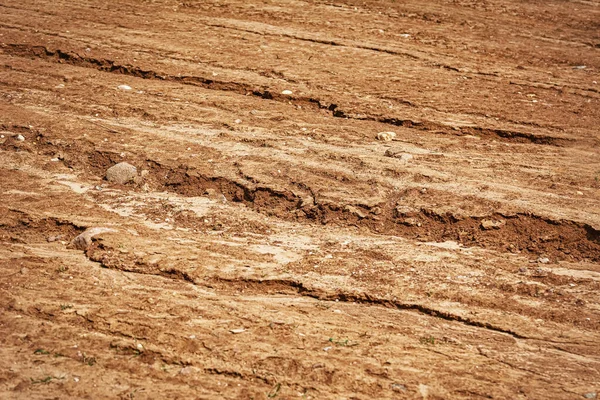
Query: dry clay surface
[[263, 241]]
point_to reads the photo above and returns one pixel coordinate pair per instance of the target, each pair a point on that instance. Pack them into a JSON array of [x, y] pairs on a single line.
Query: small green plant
[[274, 391], [66, 306], [427, 340], [61, 269], [45, 380], [88, 360], [344, 343]]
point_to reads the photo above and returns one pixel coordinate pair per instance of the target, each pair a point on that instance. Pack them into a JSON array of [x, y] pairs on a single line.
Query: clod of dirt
[[543, 260], [84, 240], [489, 224], [386, 136], [397, 153], [121, 173], [355, 211]]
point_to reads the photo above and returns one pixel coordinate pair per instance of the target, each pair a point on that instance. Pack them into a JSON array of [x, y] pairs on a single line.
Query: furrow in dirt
[[19, 227], [282, 285], [520, 232], [110, 66], [327, 42]]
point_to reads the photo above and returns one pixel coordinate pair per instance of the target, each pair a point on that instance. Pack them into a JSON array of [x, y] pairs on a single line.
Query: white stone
[[20, 138], [124, 87], [287, 92], [386, 136]]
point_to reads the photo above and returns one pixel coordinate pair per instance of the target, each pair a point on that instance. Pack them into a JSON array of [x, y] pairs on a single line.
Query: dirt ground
[[269, 244]]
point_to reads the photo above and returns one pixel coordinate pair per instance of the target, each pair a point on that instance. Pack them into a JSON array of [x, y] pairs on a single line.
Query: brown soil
[[271, 247]]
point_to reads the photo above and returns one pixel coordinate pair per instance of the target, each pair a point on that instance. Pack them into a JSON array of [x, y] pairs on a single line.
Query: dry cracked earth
[[268, 245]]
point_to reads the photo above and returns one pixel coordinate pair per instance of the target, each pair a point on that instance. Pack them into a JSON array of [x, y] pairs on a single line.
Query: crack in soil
[[59, 56]]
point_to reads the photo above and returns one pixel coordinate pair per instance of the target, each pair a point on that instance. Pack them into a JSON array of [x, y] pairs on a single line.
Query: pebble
[[543, 260], [236, 331], [580, 193], [121, 173], [287, 92], [186, 370], [84, 240], [396, 387], [397, 153], [488, 224], [20, 138], [124, 87], [54, 159], [590, 395], [386, 136], [238, 121]]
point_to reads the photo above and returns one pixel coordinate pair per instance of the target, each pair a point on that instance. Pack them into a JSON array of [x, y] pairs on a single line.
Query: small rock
[[396, 153], [411, 222], [590, 395], [396, 387], [186, 370], [580, 193], [327, 348], [20, 138], [488, 224], [386, 136], [405, 211], [543, 260], [287, 92], [124, 87], [236, 331], [54, 160], [238, 121], [523, 270], [84, 240], [121, 173], [54, 238]]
